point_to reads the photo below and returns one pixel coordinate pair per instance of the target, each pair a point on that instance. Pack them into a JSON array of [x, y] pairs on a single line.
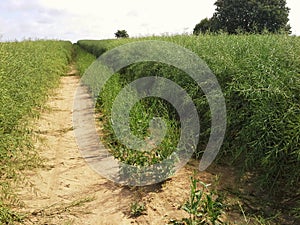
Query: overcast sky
[[100, 19]]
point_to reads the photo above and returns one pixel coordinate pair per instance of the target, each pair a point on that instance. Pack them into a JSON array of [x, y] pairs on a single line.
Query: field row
[[260, 79], [28, 70]]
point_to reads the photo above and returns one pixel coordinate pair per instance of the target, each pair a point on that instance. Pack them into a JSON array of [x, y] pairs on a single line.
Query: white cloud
[[294, 15], [99, 19], [132, 13]]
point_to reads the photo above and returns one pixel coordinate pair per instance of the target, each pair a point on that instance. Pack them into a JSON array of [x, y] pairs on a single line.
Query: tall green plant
[[28, 70], [203, 205], [259, 76]]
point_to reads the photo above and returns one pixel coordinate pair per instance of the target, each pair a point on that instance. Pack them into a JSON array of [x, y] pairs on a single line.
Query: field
[[259, 76], [28, 71], [260, 79]]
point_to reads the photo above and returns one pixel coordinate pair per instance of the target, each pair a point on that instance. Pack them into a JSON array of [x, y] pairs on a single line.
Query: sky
[[99, 19]]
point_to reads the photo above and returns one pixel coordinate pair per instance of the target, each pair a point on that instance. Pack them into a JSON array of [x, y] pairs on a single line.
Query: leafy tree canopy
[[203, 27], [254, 16], [121, 34]]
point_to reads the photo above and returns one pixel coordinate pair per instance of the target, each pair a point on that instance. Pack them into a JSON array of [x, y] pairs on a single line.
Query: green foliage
[[83, 59], [7, 216], [121, 34], [259, 76], [28, 70], [255, 16], [203, 27], [91, 48], [97, 48], [137, 209], [203, 208], [140, 116]]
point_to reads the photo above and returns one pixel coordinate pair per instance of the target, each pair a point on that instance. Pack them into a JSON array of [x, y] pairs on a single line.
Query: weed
[[137, 209], [203, 206], [7, 216]]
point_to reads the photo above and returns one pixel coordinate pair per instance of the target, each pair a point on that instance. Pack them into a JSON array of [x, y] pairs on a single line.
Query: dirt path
[[67, 191]]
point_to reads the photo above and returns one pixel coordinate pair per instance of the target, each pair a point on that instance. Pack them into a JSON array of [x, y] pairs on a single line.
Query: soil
[[65, 190]]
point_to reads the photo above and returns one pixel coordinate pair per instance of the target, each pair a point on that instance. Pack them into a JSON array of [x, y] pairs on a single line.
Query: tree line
[[242, 16], [247, 16]]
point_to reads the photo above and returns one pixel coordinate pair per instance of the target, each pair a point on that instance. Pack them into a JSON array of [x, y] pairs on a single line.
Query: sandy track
[[67, 191]]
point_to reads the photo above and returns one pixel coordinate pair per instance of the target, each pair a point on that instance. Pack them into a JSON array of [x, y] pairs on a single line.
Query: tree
[[253, 16], [203, 27], [121, 34]]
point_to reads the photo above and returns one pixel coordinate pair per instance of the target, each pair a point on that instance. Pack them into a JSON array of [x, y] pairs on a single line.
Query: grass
[[8, 216], [28, 70], [140, 116], [203, 208], [260, 79], [59, 208], [82, 59]]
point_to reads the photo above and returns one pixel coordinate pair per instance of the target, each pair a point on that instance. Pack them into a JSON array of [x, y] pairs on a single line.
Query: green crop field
[[28, 70], [260, 79]]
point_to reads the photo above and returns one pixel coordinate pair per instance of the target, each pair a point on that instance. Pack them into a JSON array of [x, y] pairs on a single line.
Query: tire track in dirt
[[67, 191]]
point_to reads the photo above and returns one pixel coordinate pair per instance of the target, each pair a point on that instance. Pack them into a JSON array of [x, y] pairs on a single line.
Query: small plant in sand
[[137, 209], [203, 206]]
